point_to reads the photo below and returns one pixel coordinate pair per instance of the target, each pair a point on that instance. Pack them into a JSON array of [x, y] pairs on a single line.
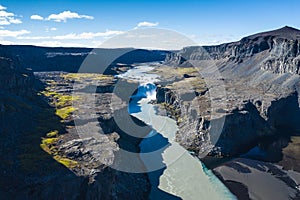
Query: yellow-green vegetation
[[86, 76], [62, 102], [49, 145], [59, 99], [51, 82], [175, 72], [196, 84], [49, 93], [49, 141], [52, 134], [65, 100], [66, 161], [186, 70], [65, 112]]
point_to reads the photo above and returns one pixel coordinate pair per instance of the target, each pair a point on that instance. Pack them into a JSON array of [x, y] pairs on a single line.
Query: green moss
[[45, 148], [66, 161], [65, 112], [49, 93], [49, 141], [62, 102], [59, 100], [86, 76], [186, 70], [65, 100], [52, 134], [48, 144]]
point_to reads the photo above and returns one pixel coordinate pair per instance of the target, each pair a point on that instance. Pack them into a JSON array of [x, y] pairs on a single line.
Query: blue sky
[[88, 23]]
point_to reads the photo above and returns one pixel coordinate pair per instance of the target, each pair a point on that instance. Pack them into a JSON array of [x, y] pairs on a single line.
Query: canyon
[[236, 106]]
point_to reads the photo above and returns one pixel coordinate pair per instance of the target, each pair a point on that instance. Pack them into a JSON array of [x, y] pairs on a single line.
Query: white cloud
[[63, 16], [6, 42], [33, 37], [48, 29], [7, 18], [87, 35], [147, 24], [3, 13], [47, 43], [215, 39], [4, 21], [2, 7], [8, 33], [15, 21], [36, 17], [96, 43]]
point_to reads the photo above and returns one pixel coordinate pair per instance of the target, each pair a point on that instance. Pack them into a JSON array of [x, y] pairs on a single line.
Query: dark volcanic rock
[[260, 76], [282, 46], [14, 78], [29, 172]]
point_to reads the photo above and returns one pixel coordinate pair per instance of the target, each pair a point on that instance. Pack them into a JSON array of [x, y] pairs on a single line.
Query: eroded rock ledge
[[257, 139], [260, 76], [282, 47]]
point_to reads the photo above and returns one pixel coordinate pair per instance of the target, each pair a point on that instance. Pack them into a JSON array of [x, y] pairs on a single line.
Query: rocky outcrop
[[284, 57], [14, 78], [260, 76], [78, 170], [282, 47], [244, 128]]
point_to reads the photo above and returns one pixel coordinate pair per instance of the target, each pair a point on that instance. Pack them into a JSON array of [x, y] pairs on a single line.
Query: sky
[[89, 23]]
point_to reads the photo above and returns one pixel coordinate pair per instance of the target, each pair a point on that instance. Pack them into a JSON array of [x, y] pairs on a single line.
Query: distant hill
[[70, 59]]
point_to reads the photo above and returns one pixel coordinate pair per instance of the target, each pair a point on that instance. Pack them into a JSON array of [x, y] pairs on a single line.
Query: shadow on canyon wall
[[246, 130]]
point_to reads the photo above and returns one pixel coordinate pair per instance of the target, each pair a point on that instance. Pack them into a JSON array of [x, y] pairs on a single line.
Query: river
[[182, 176]]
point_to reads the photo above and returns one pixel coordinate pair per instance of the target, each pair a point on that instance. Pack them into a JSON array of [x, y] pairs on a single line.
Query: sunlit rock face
[[260, 74], [282, 49]]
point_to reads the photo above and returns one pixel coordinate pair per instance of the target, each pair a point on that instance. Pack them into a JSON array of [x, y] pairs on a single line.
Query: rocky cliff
[[282, 46], [42, 156], [260, 78], [237, 109]]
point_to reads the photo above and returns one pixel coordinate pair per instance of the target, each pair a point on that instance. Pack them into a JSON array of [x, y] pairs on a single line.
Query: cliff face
[[14, 78], [27, 169], [260, 76], [282, 46]]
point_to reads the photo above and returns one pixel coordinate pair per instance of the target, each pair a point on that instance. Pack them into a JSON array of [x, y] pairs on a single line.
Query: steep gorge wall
[[242, 129], [28, 172], [261, 77], [282, 47]]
